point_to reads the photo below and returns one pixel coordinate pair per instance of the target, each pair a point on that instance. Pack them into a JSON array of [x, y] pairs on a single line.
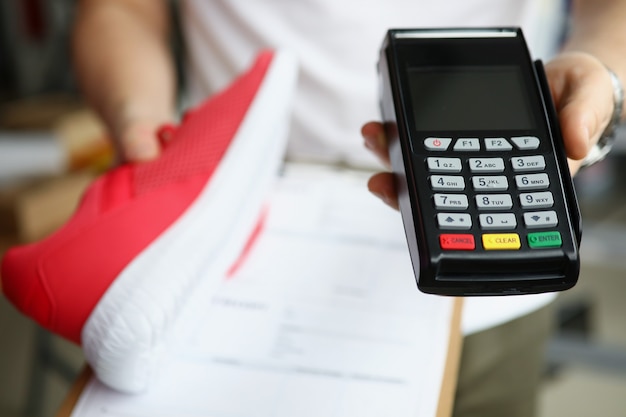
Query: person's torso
[[337, 43]]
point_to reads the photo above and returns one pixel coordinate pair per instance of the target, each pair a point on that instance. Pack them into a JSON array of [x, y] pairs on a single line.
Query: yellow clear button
[[501, 241]]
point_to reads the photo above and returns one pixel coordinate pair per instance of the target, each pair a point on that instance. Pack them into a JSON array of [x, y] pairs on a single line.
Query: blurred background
[[52, 146]]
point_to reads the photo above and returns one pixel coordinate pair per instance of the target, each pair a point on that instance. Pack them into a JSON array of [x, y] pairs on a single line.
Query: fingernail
[[376, 142]]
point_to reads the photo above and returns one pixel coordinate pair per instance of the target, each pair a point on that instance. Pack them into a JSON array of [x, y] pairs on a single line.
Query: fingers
[[583, 95], [574, 165], [138, 135], [375, 140], [383, 186], [139, 141]]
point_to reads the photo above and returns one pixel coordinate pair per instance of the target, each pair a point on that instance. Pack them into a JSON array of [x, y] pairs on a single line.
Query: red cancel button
[[457, 242]]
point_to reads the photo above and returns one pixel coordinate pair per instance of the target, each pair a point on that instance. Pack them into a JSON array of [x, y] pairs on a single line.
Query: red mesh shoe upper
[[59, 280], [206, 141]]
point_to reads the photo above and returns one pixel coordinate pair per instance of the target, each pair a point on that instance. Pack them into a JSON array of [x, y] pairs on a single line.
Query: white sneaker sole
[[125, 332]]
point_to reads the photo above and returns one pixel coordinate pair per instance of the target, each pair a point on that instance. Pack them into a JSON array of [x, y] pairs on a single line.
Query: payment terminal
[[484, 189]]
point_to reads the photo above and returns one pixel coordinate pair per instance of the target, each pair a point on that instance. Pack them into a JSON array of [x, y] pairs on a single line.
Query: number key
[[490, 183], [451, 201], [497, 221], [444, 164], [486, 164], [532, 181], [493, 201], [528, 163], [536, 200], [447, 182]]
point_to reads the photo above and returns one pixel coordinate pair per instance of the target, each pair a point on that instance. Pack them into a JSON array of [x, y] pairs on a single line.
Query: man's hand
[[381, 184], [124, 67], [583, 95], [137, 138]]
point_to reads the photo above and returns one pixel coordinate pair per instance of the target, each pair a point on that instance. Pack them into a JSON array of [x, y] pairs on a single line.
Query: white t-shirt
[[337, 43]]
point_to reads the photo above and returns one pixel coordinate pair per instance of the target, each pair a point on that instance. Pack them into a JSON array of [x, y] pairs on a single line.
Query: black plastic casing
[[479, 271]]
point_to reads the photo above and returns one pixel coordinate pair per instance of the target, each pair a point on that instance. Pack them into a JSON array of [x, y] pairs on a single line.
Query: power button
[[437, 144]]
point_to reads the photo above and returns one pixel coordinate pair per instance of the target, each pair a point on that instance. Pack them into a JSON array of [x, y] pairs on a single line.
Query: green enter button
[[544, 240]]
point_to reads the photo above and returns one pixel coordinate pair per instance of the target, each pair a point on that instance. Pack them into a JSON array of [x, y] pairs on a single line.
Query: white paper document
[[321, 318]]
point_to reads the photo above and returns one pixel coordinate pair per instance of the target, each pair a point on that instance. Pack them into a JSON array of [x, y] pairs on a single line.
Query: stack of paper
[[322, 318]]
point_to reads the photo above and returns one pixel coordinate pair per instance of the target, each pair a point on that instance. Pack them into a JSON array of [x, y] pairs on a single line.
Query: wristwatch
[[605, 143]]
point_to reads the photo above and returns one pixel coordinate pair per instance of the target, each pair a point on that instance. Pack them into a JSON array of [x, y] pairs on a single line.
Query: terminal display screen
[[469, 98]]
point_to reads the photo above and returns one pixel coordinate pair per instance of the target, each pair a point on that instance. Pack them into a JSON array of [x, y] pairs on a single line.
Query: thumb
[[583, 95]]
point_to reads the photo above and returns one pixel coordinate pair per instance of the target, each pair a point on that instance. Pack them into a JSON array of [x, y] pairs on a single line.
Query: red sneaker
[[114, 277]]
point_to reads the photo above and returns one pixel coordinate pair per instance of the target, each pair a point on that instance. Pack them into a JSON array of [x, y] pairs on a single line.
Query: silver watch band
[[605, 143]]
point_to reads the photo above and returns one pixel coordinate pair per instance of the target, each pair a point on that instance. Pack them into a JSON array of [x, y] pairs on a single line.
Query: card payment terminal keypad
[[491, 202]]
